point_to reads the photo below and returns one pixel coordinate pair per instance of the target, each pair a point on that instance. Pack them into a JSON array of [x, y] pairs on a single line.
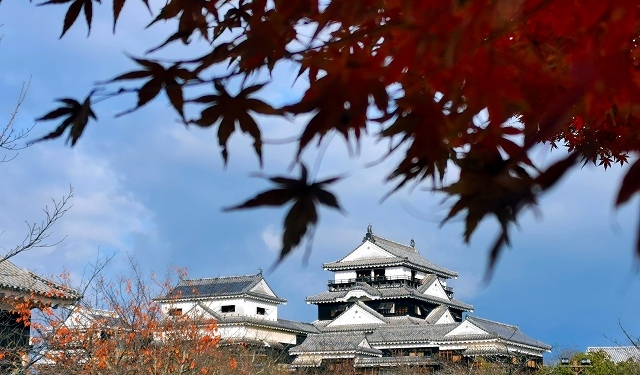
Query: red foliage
[[567, 70]]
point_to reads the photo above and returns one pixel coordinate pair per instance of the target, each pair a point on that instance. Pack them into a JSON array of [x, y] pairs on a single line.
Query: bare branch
[[10, 135], [633, 341], [38, 233]]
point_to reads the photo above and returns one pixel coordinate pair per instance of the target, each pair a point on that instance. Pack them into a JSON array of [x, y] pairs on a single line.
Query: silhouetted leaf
[[553, 174], [231, 111], [496, 249], [77, 118], [302, 216], [74, 10], [630, 184], [172, 79], [117, 8]]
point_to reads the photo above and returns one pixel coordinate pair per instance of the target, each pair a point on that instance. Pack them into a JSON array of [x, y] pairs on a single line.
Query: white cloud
[[272, 239], [105, 216]]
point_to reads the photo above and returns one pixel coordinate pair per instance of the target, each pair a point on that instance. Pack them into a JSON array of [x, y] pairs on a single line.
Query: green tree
[[592, 363]]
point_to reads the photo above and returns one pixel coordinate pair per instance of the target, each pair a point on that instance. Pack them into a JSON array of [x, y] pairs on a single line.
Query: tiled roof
[[401, 330], [403, 254], [371, 311], [487, 350], [395, 361], [506, 332], [322, 325], [107, 318], [426, 283], [618, 353], [389, 293], [436, 314], [218, 287], [334, 342], [423, 333], [284, 324], [21, 280], [288, 325], [412, 254], [366, 288]]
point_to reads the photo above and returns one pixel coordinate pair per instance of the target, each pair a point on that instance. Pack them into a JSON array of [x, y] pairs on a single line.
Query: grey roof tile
[[426, 333], [436, 314], [13, 278], [395, 361], [413, 330], [329, 342], [389, 293], [403, 255], [289, 325], [411, 253], [426, 283], [105, 318], [371, 311], [218, 287], [506, 332]]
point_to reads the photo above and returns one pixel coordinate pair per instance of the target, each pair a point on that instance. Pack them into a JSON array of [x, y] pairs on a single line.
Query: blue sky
[[146, 186]]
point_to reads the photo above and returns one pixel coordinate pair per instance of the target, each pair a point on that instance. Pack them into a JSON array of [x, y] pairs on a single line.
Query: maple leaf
[[302, 215], [231, 110], [171, 79], [117, 8], [77, 115], [192, 16], [630, 184], [74, 10]]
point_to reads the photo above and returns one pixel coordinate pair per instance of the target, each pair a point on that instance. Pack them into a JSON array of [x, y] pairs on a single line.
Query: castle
[[388, 306]]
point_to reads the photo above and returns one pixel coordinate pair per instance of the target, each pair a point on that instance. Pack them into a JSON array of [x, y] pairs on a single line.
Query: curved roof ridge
[[407, 247], [492, 321], [23, 280], [259, 274]]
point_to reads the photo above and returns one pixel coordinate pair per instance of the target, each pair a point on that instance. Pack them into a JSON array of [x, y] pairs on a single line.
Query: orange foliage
[[132, 336]]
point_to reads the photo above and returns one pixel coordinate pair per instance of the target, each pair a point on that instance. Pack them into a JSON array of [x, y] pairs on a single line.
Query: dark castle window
[[378, 273]]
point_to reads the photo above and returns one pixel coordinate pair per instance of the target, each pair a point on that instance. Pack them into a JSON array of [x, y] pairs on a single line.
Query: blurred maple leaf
[[74, 10], [231, 110], [77, 116], [171, 79], [303, 214]]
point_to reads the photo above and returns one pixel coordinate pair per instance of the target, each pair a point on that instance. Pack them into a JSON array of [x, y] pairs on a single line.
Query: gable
[[445, 318], [355, 315], [367, 250], [466, 328], [436, 290], [364, 344], [263, 288]]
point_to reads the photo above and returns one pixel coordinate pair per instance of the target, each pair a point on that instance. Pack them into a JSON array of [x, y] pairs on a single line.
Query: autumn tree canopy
[[414, 74], [118, 329]]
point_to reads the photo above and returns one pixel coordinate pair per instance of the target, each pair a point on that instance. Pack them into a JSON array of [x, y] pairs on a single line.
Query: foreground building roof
[[222, 287], [245, 309], [17, 282]]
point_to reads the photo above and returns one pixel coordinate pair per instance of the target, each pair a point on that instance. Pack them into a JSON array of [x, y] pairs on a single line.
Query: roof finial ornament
[[412, 243], [369, 235], [260, 271]]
